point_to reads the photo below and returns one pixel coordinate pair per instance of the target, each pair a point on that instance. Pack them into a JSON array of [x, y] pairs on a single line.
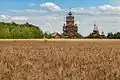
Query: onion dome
[[70, 13]]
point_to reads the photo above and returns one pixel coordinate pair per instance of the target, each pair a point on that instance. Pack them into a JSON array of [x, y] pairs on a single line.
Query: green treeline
[[29, 31], [19, 31]]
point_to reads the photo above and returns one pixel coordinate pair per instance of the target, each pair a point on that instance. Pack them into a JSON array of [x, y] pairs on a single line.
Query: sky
[[50, 15]]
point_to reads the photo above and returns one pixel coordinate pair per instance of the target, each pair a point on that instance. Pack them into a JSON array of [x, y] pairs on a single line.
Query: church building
[[95, 30], [70, 28]]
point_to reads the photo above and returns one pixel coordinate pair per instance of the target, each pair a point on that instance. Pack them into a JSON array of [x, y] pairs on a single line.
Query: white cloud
[[98, 10], [115, 2], [31, 4], [35, 11], [109, 7], [2, 17], [19, 18], [12, 18], [51, 6], [29, 11]]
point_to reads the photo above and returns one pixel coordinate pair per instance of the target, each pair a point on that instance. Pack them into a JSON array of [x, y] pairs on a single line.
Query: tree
[[117, 35], [79, 36], [94, 35], [110, 35], [102, 35], [18, 31], [4, 31], [47, 35]]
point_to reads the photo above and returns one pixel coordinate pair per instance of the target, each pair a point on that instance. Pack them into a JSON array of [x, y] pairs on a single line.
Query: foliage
[[4, 31], [19, 31], [79, 36], [113, 36], [117, 35], [110, 35], [92, 35], [47, 35], [62, 36]]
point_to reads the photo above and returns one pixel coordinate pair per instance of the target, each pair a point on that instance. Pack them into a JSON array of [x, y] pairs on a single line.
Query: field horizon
[[60, 39]]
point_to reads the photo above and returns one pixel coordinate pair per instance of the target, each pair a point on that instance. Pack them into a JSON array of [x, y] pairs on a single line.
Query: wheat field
[[60, 59]]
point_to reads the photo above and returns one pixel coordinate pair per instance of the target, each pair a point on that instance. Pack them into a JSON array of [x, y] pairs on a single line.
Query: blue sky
[[22, 4], [49, 15]]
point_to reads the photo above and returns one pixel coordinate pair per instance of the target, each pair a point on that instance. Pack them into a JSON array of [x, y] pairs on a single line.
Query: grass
[[60, 60]]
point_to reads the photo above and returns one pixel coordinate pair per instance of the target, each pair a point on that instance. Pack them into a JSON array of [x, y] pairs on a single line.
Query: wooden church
[[70, 28]]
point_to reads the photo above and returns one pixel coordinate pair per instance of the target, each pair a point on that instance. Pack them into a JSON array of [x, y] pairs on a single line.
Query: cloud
[[51, 6], [110, 8], [29, 11], [31, 4], [12, 18], [115, 2], [19, 18], [98, 10]]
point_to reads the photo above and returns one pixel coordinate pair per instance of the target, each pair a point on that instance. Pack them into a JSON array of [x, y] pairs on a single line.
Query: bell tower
[[70, 28], [95, 30]]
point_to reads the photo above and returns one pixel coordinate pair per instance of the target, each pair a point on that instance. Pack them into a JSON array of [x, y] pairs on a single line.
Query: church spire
[[69, 9], [95, 30], [95, 27], [69, 13]]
